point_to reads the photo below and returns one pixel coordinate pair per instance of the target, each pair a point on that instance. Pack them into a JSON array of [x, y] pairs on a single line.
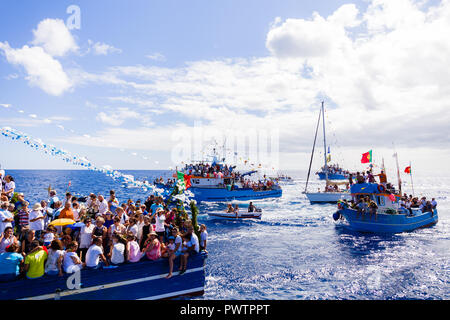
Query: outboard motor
[[337, 215]]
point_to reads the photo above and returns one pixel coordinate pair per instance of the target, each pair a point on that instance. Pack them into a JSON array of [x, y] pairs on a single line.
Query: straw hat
[[37, 206], [153, 233]]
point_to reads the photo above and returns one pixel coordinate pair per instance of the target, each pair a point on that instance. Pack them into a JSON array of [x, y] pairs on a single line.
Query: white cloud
[[100, 48], [42, 69], [54, 37], [156, 56], [384, 72], [117, 117]]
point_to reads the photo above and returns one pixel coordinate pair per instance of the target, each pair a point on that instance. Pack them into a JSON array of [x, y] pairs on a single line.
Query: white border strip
[[108, 286]]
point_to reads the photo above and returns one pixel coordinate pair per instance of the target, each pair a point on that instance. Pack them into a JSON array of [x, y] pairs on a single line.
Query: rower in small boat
[[230, 208], [251, 207]]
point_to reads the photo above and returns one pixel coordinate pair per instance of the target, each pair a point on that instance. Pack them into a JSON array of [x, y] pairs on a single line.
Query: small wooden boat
[[238, 216]]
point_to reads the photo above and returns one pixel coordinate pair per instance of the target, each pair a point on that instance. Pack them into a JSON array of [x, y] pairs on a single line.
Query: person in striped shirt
[[23, 216]]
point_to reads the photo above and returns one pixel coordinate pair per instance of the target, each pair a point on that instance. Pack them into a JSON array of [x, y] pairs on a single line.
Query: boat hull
[[225, 195], [388, 223], [144, 280], [232, 216], [333, 176], [327, 197]]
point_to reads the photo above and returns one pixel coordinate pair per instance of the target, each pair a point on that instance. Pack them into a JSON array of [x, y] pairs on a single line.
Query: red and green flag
[[408, 170], [366, 157], [185, 179]]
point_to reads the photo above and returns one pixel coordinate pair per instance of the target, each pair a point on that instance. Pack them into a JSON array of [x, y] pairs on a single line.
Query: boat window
[[381, 201]]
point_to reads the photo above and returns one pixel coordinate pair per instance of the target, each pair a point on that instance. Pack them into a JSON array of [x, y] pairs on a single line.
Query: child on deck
[[203, 237]]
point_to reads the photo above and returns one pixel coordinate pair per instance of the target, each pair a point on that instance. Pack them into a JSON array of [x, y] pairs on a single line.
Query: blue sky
[[163, 65]]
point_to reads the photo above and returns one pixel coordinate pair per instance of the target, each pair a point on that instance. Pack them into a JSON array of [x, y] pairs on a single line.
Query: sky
[[126, 84]]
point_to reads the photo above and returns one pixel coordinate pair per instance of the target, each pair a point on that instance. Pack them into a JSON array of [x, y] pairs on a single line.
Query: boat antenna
[[398, 170], [312, 152], [324, 145], [410, 173]]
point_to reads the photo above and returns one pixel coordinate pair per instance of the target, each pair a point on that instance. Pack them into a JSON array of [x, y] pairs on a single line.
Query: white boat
[[325, 196], [234, 216]]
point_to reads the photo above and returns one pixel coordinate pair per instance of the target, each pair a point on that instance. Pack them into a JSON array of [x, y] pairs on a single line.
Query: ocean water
[[296, 251]]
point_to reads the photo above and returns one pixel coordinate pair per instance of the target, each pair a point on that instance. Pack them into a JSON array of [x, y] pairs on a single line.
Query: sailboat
[[326, 196]]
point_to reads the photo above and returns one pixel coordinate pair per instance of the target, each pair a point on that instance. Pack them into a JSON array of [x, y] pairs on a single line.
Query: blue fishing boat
[[144, 280], [332, 176], [225, 190], [389, 217]]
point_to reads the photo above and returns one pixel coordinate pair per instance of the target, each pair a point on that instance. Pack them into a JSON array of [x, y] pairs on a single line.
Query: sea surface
[[296, 251]]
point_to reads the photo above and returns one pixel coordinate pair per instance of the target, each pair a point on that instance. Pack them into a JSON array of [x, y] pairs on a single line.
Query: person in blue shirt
[[10, 263]]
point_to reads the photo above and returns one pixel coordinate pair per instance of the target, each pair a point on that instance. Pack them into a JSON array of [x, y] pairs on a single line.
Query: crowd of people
[[334, 169], [105, 232], [213, 170], [366, 205]]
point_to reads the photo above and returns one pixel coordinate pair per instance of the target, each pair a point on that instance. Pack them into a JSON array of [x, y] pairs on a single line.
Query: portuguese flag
[[366, 157], [185, 179], [408, 170]]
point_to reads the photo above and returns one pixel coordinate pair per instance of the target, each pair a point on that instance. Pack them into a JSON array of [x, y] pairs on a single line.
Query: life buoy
[[381, 188]]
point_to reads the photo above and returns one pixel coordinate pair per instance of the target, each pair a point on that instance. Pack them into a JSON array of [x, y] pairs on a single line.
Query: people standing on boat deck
[[95, 254], [85, 238], [102, 205], [34, 261], [23, 216], [36, 219], [203, 238], [67, 199], [9, 187], [192, 248], [54, 263], [27, 241], [359, 178], [370, 177], [53, 199], [67, 212], [383, 178], [47, 212], [120, 213], [10, 263], [113, 203], [6, 217], [7, 238], [433, 203], [57, 209], [71, 262], [160, 218]]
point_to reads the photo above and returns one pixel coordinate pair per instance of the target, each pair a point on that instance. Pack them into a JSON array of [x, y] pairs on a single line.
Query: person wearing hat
[[153, 248], [36, 219]]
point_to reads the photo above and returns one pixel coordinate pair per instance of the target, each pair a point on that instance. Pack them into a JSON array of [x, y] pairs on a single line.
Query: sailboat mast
[[312, 152], [324, 144]]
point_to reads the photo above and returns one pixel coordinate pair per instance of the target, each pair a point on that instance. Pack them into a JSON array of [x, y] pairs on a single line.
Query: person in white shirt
[[85, 237], [117, 251], [71, 261], [53, 199], [94, 254], [9, 186], [76, 211], [102, 205], [132, 227], [6, 217], [68, 199], [203, 238], [36, 219], [160, 218], [192, 248]]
